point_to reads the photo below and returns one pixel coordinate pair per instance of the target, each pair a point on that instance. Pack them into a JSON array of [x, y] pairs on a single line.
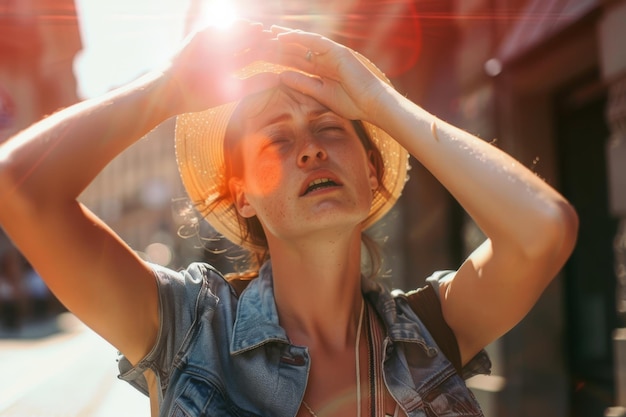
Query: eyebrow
[[284, 117]]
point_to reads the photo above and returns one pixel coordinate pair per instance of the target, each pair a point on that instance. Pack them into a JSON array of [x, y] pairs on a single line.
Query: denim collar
[[257, 318]]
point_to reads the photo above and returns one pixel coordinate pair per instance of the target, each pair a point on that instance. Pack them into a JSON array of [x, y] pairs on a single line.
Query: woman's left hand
[[341, 80]]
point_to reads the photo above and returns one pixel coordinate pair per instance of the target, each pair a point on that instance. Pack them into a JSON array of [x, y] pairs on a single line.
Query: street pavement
[[58, 367]]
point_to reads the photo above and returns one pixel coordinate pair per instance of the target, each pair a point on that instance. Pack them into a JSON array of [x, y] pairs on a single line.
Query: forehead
[[277, 105]]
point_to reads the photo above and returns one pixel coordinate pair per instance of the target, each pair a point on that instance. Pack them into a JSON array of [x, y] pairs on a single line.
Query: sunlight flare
[[217, 13]]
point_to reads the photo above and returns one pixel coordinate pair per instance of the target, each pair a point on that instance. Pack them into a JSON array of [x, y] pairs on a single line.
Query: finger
[[291, 55], [276, 29], [268, 51], [318, 55], [288, 54], [313, 41], [309, 85]]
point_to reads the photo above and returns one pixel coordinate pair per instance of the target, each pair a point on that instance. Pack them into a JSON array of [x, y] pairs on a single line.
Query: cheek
[[265, 174], [356, 162]]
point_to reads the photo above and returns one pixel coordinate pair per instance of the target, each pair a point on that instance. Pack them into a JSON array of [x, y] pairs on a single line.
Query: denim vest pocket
[[200, 398], [451, 398]]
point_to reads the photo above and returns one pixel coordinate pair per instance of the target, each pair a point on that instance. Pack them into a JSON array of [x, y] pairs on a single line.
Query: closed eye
[[273, 140], [277, 133], [276, 138], [330, 128], [328, 123]]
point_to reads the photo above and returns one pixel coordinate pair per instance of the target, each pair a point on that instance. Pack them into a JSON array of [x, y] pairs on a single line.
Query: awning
[[541, 20]]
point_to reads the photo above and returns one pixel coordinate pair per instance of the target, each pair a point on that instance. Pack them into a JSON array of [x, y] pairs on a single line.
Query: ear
[[373, 173], [236, 187]]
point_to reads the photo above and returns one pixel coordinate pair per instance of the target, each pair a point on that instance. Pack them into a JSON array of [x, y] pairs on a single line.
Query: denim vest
[[220, 355]]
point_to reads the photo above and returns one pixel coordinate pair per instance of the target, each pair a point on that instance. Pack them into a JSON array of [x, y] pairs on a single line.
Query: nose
[[312, 150]]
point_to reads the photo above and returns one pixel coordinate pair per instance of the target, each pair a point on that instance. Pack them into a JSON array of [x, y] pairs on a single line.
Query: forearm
[[508, 201], [55, 159]]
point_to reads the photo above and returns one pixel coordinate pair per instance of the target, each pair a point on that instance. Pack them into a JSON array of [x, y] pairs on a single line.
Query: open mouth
[[319, 184]]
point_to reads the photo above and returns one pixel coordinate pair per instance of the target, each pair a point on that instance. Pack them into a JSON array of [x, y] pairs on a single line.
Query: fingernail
[[277, 27]]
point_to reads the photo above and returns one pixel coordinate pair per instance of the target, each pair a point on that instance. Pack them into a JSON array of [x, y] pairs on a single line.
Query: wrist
[[156, 94], [162, 94], [401, 118], [383, 108]]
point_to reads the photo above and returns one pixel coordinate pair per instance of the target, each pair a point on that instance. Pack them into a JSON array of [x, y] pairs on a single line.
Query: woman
[[296, 178]]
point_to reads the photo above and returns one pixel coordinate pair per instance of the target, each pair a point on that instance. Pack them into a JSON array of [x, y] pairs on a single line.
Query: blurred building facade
[[543, 79], [37, 51], [546, 81], [38, 42]]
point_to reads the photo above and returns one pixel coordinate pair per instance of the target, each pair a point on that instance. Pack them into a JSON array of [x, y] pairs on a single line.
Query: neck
[[317, 289]]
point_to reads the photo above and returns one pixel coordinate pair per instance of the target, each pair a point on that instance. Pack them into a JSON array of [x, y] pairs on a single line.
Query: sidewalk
[[58, 367]]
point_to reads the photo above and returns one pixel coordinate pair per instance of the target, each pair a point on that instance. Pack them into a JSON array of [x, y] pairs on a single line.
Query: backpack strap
[[425, 303]]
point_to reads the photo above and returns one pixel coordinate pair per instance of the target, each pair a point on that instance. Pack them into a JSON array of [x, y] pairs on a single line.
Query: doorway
[[590, 280]]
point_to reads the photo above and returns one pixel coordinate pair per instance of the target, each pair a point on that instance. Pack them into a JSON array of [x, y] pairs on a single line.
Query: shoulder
[[425, 303], [186, 293]]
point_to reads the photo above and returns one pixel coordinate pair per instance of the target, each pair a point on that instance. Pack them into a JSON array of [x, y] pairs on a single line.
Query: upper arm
[[92, 272], [491, 292]]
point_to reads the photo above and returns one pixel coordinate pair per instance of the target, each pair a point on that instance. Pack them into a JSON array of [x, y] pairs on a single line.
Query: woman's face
[[305, 170]]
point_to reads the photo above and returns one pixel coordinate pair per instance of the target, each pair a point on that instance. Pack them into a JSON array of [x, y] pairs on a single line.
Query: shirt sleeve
[[479, 364], [178, 293]]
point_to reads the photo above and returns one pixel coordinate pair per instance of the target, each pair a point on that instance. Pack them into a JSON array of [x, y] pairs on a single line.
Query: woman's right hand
[[202, 74]]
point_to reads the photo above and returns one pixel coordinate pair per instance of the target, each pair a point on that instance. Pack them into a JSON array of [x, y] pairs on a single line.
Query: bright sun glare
[[217, 13]]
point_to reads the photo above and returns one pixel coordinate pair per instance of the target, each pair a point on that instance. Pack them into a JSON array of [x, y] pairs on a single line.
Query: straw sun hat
[[200, 157]]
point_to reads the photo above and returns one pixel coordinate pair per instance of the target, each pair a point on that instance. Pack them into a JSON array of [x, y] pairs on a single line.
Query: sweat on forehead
[[277, 100]]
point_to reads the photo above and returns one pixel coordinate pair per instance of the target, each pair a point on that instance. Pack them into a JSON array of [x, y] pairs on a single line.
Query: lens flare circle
[[217, 13]]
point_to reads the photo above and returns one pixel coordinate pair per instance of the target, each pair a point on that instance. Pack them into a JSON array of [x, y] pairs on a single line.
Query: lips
[[319, 182]]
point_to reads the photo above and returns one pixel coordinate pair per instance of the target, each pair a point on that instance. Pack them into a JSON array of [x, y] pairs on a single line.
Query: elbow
[[571, 222], [566, 225], [558, 231]]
